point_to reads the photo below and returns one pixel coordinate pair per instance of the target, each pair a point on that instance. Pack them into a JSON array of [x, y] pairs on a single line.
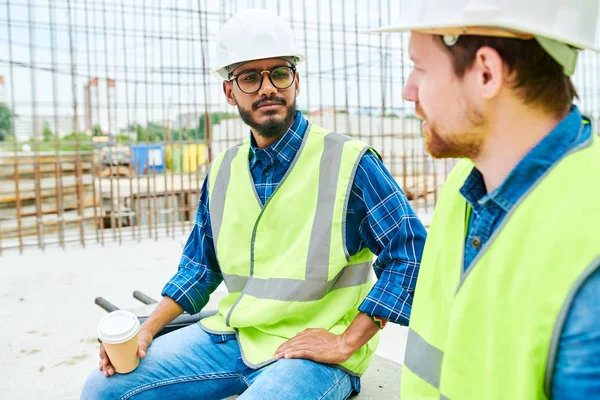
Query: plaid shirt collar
[[285, 148]]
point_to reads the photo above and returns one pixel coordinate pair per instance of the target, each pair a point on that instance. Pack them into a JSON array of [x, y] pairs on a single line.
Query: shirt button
[[267, 173], [476, 243]]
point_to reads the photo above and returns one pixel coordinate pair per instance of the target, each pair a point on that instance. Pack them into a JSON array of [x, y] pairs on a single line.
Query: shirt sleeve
[[390, 228], [577, 367], [198, 274]]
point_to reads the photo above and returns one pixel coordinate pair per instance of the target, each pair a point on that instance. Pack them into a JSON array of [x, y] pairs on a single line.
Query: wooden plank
[[27, 171], [8, 201], [8, 229], [46, 184], [43, 157], [28, 211]]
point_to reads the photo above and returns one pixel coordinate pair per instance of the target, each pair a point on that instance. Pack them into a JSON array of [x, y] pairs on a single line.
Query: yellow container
[[185, 157]]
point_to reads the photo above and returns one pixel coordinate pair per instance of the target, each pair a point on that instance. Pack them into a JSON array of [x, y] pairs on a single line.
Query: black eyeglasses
[[251, 81]]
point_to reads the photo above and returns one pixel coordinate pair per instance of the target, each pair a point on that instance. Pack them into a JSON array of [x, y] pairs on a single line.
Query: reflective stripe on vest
[[423, 359], [297, 289]]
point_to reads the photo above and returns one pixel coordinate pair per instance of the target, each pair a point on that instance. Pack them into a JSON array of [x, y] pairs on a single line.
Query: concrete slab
[[381, 381], [48, 331]]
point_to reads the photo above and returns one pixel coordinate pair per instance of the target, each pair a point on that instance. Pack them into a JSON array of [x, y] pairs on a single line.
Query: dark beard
[[272, 128]]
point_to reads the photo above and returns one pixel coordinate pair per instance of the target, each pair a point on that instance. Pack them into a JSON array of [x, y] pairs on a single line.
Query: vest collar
[[285, 149], [566, 137]]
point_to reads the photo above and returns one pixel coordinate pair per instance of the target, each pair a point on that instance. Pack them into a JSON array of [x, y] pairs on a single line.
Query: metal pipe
[[97, 197], [110, 127], [181, 206], [12, 129], [105, 304], [333, 89], [128, 108], [144, 298], [57, 163], [147, 96], [37, 176], [167, 211]]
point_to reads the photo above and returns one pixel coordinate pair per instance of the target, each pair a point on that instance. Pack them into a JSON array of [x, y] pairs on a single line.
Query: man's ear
[[490, 72], [228, 90]]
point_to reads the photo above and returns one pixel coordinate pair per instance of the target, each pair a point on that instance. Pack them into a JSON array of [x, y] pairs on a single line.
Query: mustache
[[419, 111], [258, 102]]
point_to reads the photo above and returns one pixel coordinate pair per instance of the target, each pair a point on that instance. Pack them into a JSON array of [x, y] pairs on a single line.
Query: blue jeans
[[189, 364]]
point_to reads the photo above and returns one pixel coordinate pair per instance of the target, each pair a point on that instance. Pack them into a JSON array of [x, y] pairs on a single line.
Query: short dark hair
[[538, 78]]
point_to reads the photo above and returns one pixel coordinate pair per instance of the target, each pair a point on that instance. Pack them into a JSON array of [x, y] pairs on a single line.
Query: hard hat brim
[[454, 28], [221, 72]]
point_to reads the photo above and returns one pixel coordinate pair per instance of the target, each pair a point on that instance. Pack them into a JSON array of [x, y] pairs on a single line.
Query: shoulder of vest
[[317, 130], [344, 139], [589, 153], [460, 172], [578, 168], [219, 156]]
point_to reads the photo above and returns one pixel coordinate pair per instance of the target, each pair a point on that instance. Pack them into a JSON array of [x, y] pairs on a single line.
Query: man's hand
[[322, 346], [317, 345], [165, 312], [144, 341]]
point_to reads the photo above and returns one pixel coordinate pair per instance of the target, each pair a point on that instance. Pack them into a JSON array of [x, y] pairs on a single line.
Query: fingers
[[141, 352], [142, 349], [102, 351], [104, 363], [298, 351], [106, 366], [304, 354], [290, 346], [144, 341], [110, 371], [303, 339], [286, 345]]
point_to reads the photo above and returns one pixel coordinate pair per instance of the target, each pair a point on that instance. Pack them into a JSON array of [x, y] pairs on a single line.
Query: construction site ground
[[48, 338]]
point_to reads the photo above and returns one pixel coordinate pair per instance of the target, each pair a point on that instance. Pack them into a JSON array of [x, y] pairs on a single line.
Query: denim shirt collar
[[285, 148], [567, 135]]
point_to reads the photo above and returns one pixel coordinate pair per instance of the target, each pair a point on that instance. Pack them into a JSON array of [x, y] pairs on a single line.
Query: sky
[[157, 50]]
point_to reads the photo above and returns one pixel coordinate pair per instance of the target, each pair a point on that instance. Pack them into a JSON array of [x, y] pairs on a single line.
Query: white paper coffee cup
[[118, 331]]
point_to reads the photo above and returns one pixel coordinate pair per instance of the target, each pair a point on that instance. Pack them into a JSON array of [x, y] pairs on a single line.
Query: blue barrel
[[148, 158]]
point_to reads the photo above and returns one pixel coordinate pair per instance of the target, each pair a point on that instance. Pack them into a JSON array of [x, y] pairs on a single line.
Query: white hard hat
[[254, 34], [555, 23]]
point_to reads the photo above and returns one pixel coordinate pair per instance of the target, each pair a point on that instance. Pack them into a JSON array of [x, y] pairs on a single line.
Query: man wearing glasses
[[291, 219]]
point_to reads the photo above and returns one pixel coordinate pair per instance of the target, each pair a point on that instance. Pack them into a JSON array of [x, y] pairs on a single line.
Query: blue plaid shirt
[[378, 217]]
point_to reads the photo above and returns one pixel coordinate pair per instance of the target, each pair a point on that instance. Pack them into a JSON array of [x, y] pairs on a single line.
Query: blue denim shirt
[[577, 368]]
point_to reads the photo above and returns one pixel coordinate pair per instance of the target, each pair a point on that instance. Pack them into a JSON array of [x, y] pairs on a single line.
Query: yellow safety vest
[[492, 331], [285, 264]]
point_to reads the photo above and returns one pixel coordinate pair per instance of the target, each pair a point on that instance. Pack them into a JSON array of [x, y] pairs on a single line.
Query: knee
[[98, 387]]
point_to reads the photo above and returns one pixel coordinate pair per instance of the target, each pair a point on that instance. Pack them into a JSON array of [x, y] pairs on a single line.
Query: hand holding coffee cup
[[123, 343]]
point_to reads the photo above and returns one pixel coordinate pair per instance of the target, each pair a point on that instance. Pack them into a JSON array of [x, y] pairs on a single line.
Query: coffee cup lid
[[118, 327]]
